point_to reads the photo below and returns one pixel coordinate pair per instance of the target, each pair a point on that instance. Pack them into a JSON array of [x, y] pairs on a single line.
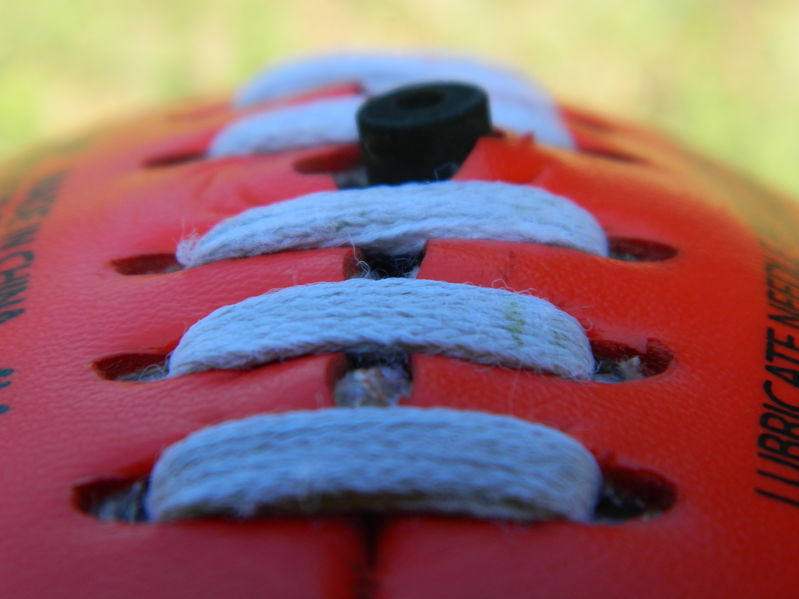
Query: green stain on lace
[[515, 322], [561, 339], [341, 224]]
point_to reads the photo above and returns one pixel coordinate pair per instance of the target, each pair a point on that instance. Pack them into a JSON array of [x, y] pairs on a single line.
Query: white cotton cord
[[399, 220], [333, 121], [542, 122], [376, 459], [490, 326], [378, 73], [322, 122], [517, 104]]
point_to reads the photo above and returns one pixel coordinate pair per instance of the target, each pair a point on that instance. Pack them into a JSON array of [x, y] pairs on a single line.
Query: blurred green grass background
[[720, 75]]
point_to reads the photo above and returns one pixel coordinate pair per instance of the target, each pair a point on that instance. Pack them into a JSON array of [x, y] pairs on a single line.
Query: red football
[[394, 327]]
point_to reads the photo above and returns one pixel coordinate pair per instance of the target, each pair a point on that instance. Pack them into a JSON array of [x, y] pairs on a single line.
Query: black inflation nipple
[[421, 132]]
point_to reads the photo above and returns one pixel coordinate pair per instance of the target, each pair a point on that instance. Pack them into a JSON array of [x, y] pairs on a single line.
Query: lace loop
[[399, 220], [376, 459], [517, 104], [490, 326]]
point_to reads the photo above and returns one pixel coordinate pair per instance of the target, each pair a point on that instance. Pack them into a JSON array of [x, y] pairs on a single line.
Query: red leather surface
[[69, 214]]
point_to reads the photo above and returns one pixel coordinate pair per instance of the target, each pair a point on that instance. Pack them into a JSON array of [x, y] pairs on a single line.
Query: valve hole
[[420, 99]]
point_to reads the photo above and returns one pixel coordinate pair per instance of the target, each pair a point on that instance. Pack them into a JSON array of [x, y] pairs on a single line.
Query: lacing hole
[[611, 154], [147, 264], [131, 367], [589, 122], [329, 161], [629, 493], [112, 499], [174, 159], [640, 250], [626, 494], [617, 362]]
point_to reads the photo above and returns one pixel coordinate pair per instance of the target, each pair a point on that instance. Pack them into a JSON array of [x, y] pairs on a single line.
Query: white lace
[[399, 220], [319, 123], [398, 459], [490, 326], [395, 458], [517, 104]]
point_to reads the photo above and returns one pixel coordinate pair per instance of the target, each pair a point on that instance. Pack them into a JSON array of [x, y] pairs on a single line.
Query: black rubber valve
[[421, 132]]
